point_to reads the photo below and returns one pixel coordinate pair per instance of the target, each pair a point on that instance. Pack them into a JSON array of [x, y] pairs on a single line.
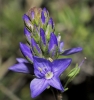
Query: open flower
[[47, 73]]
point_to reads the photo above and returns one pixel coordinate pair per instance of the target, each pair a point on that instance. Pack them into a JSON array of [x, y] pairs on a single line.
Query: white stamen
[[49, 75], [50, 59]]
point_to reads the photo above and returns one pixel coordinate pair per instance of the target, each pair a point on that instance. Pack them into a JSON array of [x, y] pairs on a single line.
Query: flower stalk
[[54, 95]]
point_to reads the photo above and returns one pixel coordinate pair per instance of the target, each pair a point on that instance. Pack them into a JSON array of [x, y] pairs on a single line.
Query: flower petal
[[50, 22], [42, 17], [53, 41], [72, 51], [41, 66], [34, 45], [60, 65], [21, 60], [61, 47], [55, 82], [53, 44], [42, 34], [27, 21], [26, 18], [45, 10], [27, 34], [23, 68], [37, 86], [26, 51]]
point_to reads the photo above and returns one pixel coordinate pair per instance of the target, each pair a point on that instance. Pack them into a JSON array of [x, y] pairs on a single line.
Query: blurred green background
[[74, 19]]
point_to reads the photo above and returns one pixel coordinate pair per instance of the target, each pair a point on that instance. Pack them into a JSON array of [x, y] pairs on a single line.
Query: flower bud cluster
[[40, 33]]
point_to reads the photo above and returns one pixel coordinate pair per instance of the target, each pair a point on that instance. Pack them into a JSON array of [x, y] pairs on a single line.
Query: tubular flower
[[47, 73]]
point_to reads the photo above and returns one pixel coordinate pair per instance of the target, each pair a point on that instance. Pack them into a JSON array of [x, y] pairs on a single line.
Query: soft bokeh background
[[74, 19]]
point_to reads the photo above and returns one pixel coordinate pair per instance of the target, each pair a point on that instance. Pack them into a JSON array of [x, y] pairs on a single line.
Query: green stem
[[60, 96], [55, 96]]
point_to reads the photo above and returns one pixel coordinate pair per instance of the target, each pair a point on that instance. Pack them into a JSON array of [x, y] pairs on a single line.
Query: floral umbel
[[42, 53]]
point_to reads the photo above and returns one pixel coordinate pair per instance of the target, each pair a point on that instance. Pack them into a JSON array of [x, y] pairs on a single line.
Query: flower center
[[49, 75]]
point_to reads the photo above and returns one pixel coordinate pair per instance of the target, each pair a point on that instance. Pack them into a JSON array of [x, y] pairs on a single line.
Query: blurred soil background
[[74, 19]]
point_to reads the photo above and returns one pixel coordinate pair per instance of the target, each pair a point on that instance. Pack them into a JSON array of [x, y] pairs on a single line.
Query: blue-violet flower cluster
[[42, 52]]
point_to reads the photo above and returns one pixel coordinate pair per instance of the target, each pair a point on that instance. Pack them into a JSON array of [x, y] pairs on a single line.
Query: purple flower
[[52, 47], [27, 34], [42, 35], [42, 17], [68, 51], [61, 46], [53, 44], [35, 46], [72, 51], [45, 11], [47, 74], [23, 67], [26, 52], [27, 21], [26, 18], [50, 22]]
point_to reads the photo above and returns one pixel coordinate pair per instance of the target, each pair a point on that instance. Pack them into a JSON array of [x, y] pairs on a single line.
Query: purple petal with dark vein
[[26, 51], [27, 33], [50, 22], [61, 46], [21, 60], [72, 51], [42, 17], [41, 64], [27, 21], [55, 82], [42, 34], [37, 86], [26, 18], [53, 41], [23, 68], [60, 65], [34, 45]]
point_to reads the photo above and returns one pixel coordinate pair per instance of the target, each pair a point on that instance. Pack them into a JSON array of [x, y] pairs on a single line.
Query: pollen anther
[[50, 59], [40, 69]]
